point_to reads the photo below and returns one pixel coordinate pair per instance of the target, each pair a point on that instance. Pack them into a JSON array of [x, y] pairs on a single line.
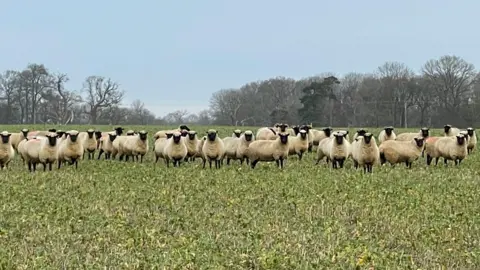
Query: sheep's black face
[[98, 135], [327, 131], [73, 137], [52, 140], [143, 136], [169, 135], [425, 132], [184, 133], [361, 132], [24, 132], [184, 127], [388, 131], [90, 134], [339, 138], [447, 128], [176, 138], [303, 135], [419, 142], [211, 136], [60, 134], [283, 127], [130, 133], [237, 134], [112, 137], [52, 130], [284, 138], [119, 130], [5, 138], [367, 137], [470, 132], [191, 136], [460, 139], [296, 129], [248, 137]]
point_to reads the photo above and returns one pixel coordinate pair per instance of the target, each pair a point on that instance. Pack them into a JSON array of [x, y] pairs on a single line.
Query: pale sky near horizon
[[175, 54]]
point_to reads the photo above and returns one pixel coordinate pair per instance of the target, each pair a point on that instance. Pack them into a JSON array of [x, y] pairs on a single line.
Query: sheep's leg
[[281, 163], [253, 164], [83, 155], [50, 166], [456, 162], [429, 160], [100, 154], [34, 166], [241, 161], [44, 166], [167, 161], [228, 161], [247, 160], [383, 160], [204, 162], [29, 166], [445, 161], [59, 164], [300, 155], [210, 163], [310, 146], [459, 161], [141, 158], [355, 164], [340, 162], [278, 162]]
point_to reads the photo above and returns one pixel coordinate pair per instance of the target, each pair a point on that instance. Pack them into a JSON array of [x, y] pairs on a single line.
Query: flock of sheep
[[269, 144]]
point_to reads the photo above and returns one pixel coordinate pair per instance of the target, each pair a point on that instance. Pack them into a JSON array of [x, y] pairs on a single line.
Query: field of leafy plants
[[133, 216]]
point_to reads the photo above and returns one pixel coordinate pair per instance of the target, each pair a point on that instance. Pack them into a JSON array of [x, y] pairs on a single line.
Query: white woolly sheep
[[319, 135], [266, 133], [175, 150], [409, 136], [118, 147], [106, 145], [386, 134], [231, 145], [236, 133], [71, 150], [472, 139], [89, 143], [199, 152], [213, 149], [450, 131], [365, 152], [245, 140], [6, 150], [48, 153], [269, 150], [136, 145], [335, 148], [359, 132], [191, 141], [449, 148], [30, 152], [15, 138], [308, 129], [401, 151], [159, 147], [299, 144]]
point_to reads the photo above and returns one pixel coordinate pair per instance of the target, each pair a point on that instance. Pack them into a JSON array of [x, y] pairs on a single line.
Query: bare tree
[[176, 117], [226, 103], [65, 100], [100, 93], [8, 86], [35, 79], [452, 78]]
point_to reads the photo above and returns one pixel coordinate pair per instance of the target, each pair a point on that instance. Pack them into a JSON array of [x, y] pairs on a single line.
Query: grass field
[[131, 216]]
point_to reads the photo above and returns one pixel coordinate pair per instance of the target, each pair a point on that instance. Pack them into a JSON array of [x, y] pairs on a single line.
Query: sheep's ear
[[206, 132]]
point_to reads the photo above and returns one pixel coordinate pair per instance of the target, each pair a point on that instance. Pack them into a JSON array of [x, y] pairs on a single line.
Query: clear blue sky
[[175, 54]]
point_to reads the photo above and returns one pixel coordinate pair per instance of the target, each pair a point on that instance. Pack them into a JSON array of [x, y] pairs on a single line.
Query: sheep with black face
[[269, 150], [213, 149], [386, 134], [135, 146], [401, 151], [175, 150], [6, 149], [70, 150]]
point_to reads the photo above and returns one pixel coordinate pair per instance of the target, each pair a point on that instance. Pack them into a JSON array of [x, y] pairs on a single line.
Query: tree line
[[445, 90]]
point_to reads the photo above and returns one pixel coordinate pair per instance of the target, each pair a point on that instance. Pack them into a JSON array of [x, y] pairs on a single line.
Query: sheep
[[163, 133], [119, 131], [319, 135], [281, 128], [236, 133], [199, 152], [159, 146], [31, 151], [269, 150], [106, 145], [118, 147], [89, 143], [472, 140], [386, 134], [365, 152], [213, 149], [245, 140], [48, 151], [71, 150], [359, 132], [401, 151], [191, 142], [449, 148], [309, 131], [15, 138], [337, 149], [130, 132], [231, 145], [450, 131], [98, 136], [135, 146], [409, 136], [175, 150], [345, 133], [266, 133], [6, 150], [298, 144]]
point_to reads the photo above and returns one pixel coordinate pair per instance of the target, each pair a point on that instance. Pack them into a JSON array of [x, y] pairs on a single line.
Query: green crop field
[[117, 215]]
